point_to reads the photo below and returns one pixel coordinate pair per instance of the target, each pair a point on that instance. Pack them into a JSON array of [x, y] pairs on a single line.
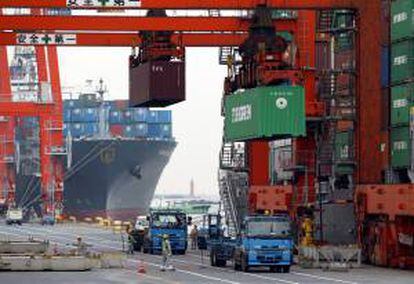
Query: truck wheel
[[286, 269], [181, 251], [244, 265], [236, 265], [221, 263], [145, 249], [213, 261], [275, 269]]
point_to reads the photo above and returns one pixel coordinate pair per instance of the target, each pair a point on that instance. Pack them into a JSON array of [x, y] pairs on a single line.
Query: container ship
[[116, 156]]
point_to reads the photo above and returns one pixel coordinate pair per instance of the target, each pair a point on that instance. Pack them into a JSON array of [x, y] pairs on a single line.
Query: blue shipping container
[[140, 114], [67, 115], [159, 116], [67, 104], [76, 129], [90, 114], [115, 117], [76, 115], [128, 116], [136, 130], [90, 129], [129, 131], [152, 116], [164, 116], [385, 66], [157, 130], [141, 129]]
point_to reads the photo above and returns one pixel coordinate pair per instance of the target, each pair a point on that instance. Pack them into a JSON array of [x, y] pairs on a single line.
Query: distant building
[[192, 188]]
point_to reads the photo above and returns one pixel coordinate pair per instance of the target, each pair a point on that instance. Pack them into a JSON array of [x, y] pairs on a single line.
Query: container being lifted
[[157, 84], [157, 71], [265, 112]]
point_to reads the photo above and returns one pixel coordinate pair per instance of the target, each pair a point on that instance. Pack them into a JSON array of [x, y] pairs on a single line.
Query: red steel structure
[[377, 219], [7, 166], [50, 133]]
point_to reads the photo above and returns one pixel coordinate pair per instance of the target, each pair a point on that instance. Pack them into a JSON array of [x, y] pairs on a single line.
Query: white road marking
[[190, 272], [153, 264], [323, 278], [54, 234]]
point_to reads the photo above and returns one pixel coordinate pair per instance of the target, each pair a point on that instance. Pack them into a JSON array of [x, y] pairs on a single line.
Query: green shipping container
[[402, 61], [401, 102], [343, 152], [402, 21], [343, 146], [265, 112], [400, 147]]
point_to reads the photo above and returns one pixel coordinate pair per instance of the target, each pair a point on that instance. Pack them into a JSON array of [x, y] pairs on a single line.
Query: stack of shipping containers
[[402, 88], [84, 118], [335, 222], [344, 61]]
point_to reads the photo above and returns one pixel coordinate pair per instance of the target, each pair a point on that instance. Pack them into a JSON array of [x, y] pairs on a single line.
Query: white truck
[[14, 216]]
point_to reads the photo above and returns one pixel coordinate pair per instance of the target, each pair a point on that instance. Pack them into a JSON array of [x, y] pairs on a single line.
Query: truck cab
[[211, 229], [264, 241], [170, 222]]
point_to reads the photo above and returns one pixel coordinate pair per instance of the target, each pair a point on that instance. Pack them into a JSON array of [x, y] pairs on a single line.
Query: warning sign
[[103, 3], [45, 39]]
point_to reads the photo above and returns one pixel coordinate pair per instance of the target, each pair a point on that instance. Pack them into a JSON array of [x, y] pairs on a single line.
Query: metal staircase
[[234, 195], [233, 156], [325, 20], [225, 52], [228, 205], [233, 184]]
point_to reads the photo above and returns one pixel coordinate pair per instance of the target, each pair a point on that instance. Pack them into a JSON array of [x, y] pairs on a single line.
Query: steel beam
[[132, 39], [20, 109], [195, 4], [131, 24]]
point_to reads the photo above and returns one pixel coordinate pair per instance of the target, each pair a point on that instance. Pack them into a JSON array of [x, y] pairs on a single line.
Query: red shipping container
[[275, 199], [116, 130], [157, 84]]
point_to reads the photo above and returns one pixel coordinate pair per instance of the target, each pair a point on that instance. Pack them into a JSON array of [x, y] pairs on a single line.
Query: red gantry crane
[[7, 151], [381, 223]]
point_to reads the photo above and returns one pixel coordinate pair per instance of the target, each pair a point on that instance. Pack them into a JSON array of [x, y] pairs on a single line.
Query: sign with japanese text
[[45, 39], [103, 3]]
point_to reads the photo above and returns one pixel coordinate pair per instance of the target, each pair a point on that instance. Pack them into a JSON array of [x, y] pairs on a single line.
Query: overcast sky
[[197, 124]]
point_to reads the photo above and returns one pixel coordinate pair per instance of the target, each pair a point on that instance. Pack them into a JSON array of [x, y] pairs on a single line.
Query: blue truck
[[173, 223], [264, 241]]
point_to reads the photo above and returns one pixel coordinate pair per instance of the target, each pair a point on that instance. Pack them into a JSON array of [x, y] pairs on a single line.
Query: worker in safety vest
[[131, 241], [166, 253], [81, 246], [193, 237]]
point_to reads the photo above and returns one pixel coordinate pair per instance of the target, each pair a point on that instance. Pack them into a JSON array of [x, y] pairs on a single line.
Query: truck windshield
[[168, 220], [277, 228]]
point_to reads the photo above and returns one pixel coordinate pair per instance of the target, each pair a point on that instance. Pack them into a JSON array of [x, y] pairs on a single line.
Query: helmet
[[165, 236], [79, 238]]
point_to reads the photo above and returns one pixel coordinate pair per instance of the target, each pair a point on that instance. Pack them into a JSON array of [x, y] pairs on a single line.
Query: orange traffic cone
[[141, 267]]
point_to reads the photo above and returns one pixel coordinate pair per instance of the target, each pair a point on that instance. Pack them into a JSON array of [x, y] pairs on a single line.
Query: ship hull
[[113, 178]]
